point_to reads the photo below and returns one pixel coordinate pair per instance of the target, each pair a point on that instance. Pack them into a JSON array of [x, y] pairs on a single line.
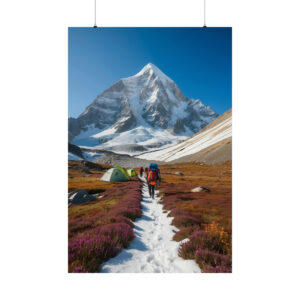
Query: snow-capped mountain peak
[[151, 70], [148, 101]]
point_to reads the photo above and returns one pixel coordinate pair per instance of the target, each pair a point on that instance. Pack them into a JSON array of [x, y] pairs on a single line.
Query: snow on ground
[[72, 156], [141, 135], [86, 137], [152, 251], [88, 155], [194, 144]]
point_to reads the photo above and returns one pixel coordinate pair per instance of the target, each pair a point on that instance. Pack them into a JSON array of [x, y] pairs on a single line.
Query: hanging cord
[[204, 14], [95, 24]]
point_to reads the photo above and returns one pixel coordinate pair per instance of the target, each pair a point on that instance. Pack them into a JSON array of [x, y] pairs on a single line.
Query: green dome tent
[[124, 172], [115, 174], [131, 172]]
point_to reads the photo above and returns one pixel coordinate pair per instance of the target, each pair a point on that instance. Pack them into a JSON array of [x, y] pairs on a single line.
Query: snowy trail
[[152, 251]]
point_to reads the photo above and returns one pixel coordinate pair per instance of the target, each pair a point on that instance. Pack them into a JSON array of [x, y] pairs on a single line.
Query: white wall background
[[33, 124]]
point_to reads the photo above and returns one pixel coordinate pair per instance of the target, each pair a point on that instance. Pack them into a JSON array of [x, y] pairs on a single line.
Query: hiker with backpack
[[153, 177], [141, 171]]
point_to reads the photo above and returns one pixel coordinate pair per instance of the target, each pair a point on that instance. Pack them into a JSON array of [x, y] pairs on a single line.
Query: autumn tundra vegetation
[[203, 217], [100, 229]]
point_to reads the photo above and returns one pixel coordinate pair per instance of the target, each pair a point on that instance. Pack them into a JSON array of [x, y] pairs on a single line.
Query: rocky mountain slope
[[143, 112]]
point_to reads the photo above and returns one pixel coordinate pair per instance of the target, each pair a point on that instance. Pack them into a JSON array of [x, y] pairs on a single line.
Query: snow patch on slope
[[148, 101], [72, 156], [194, 144], [143, 136], [88, 155]]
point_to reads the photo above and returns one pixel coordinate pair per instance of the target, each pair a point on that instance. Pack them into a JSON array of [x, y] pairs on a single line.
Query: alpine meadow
[[149, 168]]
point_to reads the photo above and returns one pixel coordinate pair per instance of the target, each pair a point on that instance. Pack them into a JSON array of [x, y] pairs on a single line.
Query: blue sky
[[197, 59]]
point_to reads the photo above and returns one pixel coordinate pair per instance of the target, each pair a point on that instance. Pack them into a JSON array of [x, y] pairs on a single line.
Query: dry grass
[[99, 229], [207, 212]]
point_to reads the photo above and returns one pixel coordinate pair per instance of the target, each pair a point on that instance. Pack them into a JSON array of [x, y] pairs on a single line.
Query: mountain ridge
[[149, 101]]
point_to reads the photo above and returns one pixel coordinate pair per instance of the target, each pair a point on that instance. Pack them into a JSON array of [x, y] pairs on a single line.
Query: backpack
[[152, 176], [153, 166]]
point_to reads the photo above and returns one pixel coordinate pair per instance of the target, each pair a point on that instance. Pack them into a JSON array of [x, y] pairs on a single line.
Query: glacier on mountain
[[144, 111]]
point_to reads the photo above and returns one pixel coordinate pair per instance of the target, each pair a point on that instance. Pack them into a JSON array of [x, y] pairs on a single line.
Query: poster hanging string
[[204, 14], [95, 14], [95, 8]]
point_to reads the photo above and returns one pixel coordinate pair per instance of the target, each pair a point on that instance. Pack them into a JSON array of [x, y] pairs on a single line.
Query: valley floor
[[153, 249], [186, 228]]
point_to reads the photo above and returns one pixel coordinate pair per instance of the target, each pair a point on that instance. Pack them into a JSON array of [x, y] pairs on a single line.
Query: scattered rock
[[199, 189], [196, 189], [75, 150], [205, 188], [179, 173], [80, 196], [124, 161], [88, 166], [98, 196], [86, 170]]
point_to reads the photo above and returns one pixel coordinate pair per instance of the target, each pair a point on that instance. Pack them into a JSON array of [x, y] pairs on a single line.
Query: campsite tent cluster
[[118, 174]]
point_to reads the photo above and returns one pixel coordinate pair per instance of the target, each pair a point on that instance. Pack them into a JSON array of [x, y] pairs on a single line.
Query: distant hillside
[[212, 145]]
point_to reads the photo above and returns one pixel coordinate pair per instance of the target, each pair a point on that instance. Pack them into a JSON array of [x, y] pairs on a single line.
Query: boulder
[[196, 189], [179, 173], [199, 189], [80, 196]]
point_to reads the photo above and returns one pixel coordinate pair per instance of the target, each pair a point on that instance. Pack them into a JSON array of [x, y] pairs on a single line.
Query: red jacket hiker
[[152, 177], [141, 171]]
